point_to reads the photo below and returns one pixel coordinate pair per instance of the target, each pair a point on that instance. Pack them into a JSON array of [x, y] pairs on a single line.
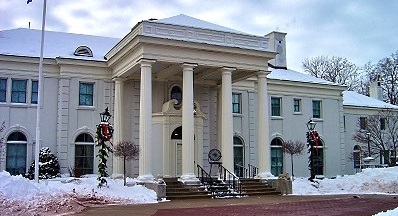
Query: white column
[[227, 146], [118, 124], [188, 144], [145, 133], [264, 149]]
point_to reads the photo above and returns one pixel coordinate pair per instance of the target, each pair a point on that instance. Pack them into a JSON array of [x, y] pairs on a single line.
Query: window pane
[[176, 93], [18, 93], [296, 106], [3, 90], [236, 98], [275, 106], [16, 159], [316, 109], [84, 159], [35, 87], [86, 93]]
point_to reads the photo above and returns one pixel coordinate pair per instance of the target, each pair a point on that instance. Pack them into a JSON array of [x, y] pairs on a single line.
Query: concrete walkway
[[260, 205]]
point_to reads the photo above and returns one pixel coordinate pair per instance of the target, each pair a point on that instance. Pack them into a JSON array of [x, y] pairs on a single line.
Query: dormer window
[[83, 51]]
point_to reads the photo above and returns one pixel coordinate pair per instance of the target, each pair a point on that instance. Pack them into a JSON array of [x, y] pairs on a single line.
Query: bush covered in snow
[[48, 165]]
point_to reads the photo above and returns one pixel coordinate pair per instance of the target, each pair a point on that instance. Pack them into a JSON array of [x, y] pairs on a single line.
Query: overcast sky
[[359, 30]]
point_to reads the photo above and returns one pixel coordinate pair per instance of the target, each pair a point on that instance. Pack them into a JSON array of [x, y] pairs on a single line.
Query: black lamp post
[[104, 134], [311, 140], [105, 116]]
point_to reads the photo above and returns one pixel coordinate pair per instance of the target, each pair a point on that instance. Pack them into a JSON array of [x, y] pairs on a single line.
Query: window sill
[[317, 119], [92, 108], [276, 117], [237, 114], [297, 113]]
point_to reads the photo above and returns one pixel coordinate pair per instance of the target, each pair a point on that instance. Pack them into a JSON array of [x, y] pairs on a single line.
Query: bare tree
[[128, 151], [294, 148], [335, 69], [380, 134]]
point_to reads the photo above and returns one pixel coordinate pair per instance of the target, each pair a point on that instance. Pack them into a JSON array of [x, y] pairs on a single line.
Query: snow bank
[[369, 181], [19, 195]]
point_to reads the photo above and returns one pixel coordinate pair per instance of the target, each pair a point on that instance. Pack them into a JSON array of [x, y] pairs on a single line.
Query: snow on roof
[[184, 20], [352, 98], [26, 42], [291, 75]]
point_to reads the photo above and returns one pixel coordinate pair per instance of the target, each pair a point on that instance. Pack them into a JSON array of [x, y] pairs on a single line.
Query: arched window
[[357, 158], [176, 93], [16, 153], [276, 157], [177, 133], [239, 158], [318, 158], [84, 154], [83, 51]]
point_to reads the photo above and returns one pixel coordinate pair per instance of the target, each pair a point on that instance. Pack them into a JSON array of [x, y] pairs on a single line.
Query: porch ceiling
[[163, 71]]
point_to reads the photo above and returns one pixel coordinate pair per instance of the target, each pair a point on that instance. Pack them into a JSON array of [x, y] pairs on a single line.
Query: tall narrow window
[[176, 93], [276, 157], [18, 91], [35, 91], [239, 157], [276, 106], [16, 153], [86, 93], [363, 121], [382, 123], [84, 154], [296, 105], [236, 103], [3, 90], [316, 108], [318, 159]]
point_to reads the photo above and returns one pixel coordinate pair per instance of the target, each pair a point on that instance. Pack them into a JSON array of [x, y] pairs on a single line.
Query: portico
[[157, 56]]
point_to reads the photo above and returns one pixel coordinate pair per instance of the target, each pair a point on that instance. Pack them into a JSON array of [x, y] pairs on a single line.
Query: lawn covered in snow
[[21, 196]]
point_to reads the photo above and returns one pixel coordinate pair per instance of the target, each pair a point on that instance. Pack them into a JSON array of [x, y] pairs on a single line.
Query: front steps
[[177, 190], [253, 187], [250, 187]]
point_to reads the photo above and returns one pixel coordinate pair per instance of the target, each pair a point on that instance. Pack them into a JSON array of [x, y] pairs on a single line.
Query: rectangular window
[[382, 123], [236, 101], [18, 91], [276, 106], [363, 123], [86, 93], [35, 88], [3, 90], [316, 108], [296, 105]]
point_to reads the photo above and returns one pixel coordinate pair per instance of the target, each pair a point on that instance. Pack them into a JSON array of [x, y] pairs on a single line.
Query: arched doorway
[[84, 154], [176, 151], [16, 153], [239, 159], [276, 157]]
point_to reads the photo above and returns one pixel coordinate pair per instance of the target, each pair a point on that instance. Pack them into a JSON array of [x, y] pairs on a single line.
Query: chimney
[[277, 43], [375, 90]]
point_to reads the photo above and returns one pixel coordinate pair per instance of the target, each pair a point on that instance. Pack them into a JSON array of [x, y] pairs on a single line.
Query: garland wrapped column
[[104, 134]]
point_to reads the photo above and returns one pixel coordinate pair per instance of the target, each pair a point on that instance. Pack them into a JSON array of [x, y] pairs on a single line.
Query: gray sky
[[359, 30]]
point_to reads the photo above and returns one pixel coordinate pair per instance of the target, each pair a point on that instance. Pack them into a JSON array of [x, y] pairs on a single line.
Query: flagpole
[[39, 94]]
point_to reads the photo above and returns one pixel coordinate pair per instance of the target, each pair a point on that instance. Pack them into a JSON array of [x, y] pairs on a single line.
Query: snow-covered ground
[[20, 196]]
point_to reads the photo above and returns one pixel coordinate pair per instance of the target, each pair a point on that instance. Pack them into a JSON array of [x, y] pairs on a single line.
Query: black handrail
[[253, 171], [231, 179], [241, 171], [204, 177]]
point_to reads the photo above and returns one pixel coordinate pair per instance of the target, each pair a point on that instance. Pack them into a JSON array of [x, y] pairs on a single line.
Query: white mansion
[[178, 87]]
